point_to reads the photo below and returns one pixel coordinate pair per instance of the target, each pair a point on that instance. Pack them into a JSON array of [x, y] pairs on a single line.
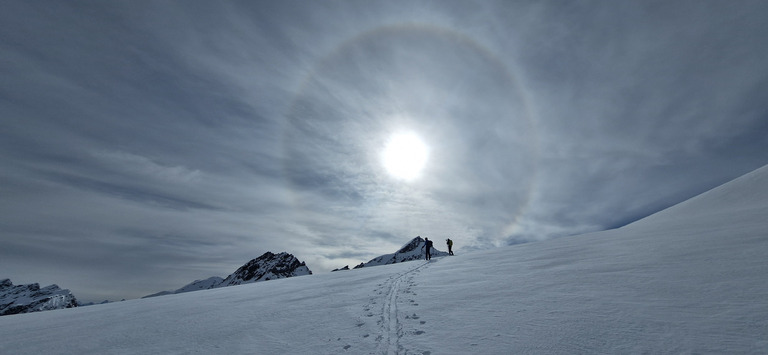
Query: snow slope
[[196, 285], [691, 279]]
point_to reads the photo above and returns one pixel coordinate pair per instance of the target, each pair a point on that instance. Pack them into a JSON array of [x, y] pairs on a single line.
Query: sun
[[404, 156]]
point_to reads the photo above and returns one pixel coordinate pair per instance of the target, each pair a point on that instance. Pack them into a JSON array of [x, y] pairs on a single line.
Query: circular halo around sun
[[336, 126], [404, 156]]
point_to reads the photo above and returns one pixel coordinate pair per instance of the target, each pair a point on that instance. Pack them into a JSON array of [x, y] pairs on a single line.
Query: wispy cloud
[[161, 142]]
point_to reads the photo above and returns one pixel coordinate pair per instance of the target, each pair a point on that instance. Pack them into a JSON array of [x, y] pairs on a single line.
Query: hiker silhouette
[[428, 247]]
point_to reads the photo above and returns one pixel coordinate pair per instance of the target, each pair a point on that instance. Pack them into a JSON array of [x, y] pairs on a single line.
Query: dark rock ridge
[[268, 266], [31, 298], [413, 250]]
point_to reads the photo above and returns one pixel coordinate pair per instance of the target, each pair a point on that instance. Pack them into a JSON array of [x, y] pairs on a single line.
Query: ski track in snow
[[391, 319]]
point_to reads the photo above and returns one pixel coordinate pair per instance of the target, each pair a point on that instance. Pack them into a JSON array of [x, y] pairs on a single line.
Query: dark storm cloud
[[155, 143]]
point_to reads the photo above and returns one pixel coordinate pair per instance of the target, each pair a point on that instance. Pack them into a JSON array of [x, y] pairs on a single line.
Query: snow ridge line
[[390, 322]]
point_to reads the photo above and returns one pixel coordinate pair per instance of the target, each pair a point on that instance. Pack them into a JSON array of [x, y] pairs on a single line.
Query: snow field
[[690, 279]]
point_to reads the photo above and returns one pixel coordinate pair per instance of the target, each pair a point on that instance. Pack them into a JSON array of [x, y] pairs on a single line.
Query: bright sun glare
[[404, 156]]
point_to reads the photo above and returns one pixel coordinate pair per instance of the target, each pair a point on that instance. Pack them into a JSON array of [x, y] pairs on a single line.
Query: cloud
[[160, 143], [132, 164]]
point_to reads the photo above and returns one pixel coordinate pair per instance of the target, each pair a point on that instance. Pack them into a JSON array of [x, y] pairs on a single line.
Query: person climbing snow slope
[[428, 246]]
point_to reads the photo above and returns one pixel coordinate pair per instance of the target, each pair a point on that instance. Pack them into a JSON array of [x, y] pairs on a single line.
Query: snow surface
[[196, 285], [690, 279]]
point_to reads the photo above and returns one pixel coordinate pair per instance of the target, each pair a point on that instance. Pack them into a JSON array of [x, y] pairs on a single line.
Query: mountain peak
[[413, 250], [15, 299], [412, 245], [268, 266]]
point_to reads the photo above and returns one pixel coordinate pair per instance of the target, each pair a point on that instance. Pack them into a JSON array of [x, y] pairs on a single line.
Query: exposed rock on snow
[[31, 298], [268, 266], [413, 250]]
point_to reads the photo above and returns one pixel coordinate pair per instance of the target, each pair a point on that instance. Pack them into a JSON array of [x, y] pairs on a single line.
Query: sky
[[144, 145]]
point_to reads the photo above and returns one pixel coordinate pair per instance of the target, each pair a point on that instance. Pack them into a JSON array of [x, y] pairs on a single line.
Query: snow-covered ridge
[[268, 266], [413, 250], [31, 298], [748, 192], [197, 285]]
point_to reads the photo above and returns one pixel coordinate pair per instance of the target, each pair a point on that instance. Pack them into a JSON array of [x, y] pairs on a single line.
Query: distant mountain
[[31, 298], [197, 285], [80, 304], [268, 266], [413, 250]]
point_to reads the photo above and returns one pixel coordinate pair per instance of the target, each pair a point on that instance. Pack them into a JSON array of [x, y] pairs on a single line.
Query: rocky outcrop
[[15, 299], [413, 250], [268, 266]]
